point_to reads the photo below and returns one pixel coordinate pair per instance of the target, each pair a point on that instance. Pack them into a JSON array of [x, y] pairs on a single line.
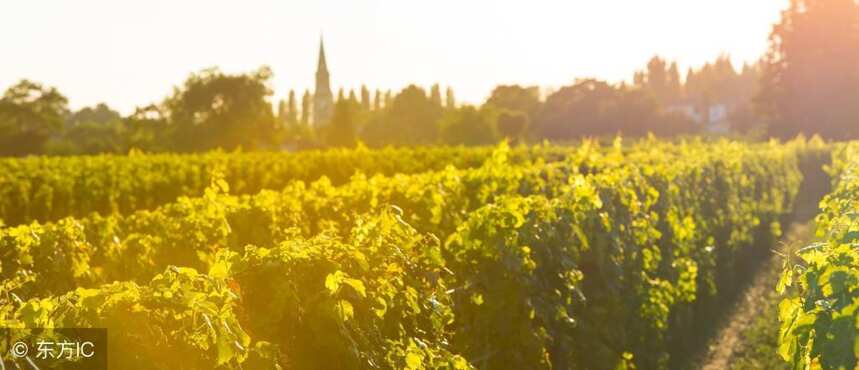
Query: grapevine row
[[821, 281], [51, 188], [593, 267], [85, 252]]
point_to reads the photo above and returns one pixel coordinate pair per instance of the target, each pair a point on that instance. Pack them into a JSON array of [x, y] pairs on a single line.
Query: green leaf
[[358, 285], [414, 361], [345, 310], [333, 281], [460, 363]]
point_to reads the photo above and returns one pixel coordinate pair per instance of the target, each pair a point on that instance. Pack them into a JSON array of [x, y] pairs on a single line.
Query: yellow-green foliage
[[528, 263], [50, 188], [819, 318]]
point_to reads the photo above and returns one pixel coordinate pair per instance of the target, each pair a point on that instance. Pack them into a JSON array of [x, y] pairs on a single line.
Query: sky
[[130, 53]]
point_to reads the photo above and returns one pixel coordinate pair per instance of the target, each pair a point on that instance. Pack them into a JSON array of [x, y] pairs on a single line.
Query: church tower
[[323, 101]]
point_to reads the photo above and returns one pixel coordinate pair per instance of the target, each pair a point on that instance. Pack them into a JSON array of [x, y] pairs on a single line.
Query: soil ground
[[730, 348]]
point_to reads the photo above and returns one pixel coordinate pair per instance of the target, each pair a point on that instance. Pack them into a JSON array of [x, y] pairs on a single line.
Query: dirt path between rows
[[725, 345]]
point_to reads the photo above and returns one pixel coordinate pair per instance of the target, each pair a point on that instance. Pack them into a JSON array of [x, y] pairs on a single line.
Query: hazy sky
[[131, 52]]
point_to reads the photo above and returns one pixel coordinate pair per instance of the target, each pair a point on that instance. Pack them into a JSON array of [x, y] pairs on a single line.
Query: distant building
[[718, 119], [714, 117], [323, 99], [717, 113], [688, 110]]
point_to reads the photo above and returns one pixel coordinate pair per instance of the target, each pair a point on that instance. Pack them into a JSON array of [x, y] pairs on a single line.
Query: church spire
[[323, 100], [323, 66]]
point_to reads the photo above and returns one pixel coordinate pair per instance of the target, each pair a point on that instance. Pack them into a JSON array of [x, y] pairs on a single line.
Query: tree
[[595, 108], [469, 126], [388, 99], [296, 133], [435, 95], [516, 98], [341, 131], [410, 119], [577, 110], [216, 110], [365, 99], [513, 124], [719, 83], [148, 129], [377, 102], [282, 112], [90, 130], [100, 114], [89, 138], [292, 109], [636, 112], [449, 99], [660, 79], [675, 85], [353, 98], [414, 117], [29, 114], [748, 83], [306, 100], [810, 80]]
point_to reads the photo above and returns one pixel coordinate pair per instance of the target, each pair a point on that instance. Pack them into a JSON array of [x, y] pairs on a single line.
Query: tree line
[[807, 83], [212, 109]]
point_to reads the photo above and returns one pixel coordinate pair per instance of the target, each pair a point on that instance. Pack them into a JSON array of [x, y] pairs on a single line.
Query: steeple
[[323, 101], [323, 66]]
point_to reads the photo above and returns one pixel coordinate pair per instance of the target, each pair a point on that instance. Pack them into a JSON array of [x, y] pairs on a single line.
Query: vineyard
[[819, 316], [544, 257]]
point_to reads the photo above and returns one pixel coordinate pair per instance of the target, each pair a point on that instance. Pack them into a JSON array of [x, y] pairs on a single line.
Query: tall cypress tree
[[450, 100], [435, 95], [365, 98], [388, 98], [292, 109], [341, 131], [377, 102], [306, 107], [282, 112]]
